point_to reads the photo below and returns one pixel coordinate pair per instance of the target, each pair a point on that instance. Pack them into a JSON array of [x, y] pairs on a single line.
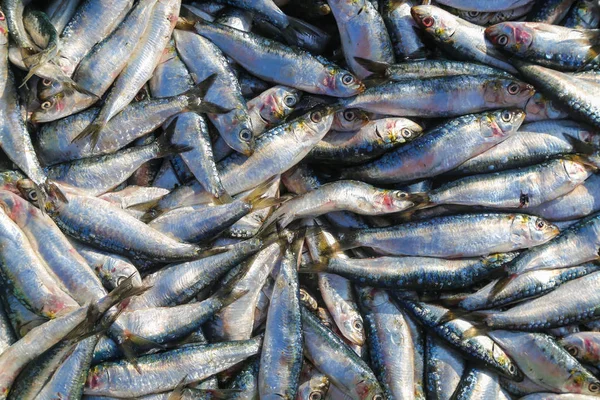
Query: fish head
[[350, 119], [508, 92], [588, 135], [352, 327], [369, 390], [317, 121], [439, 23], [390, 201], [514, 37], [342, 83], [578, 168], [98, 378], [530, 231], [501, 123], [543, 108], [58, 106], [277, 103], [47, 88], [3, 29], [578, 345], [399, 130]]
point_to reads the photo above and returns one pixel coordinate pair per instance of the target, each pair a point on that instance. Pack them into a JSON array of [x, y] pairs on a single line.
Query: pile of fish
[[300, 199]]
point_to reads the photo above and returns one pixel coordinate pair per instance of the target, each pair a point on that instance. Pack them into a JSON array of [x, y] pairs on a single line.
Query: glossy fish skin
[[533, 143], [60, 12], [195, 363], [179, 283], [479, 348], [546, 363], [7, 334], [576, 245], [459, 37], [108, 58], [555, 309], [576, 96], [583, 346], [338, 294], [272, 107], [272, 156], [110, 268], [480, 384], [69, 378], [519, 188], [203, 58], [21, 319], [99, 174], [414, 272], [281, 357], [28, 276], [332, 356], [71, 270], [550, 12], [82, 32], [142, 62], [584, 200], [14, 136], [485, 6], [442, 96], [444, 368], [401, 27], [539, 43], [85, 218], [353, 196], [429, 154], [370, 141], [313, 383], [584, 14], [390, 343], [274, 62], [236, 321], [436, 68], [363, 34], [456, 236], [43, 337], [246, 381], [529, 284]]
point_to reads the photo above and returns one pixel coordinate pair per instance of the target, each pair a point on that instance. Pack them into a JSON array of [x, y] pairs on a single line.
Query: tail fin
[[256, 197], [297, 28], [195, 98], [314, 267], [378, 68], [165, 145], [500, 285], [93, 131]]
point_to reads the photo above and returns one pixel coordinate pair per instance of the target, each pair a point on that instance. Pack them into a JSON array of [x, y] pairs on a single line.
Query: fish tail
[[377, 68], [314, 267], [500, 285], [165, 145], [195, 98], [92, 131], [296, 29]]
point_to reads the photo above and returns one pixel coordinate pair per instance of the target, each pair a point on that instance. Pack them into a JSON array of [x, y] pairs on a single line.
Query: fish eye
[[245, 135], [347, 79], [316, 395], [33, 195], [473, 14], [506, 116], [46, 105], [120, 280], [406, 133], [572, 350], [349, 115], [357, 324], [46, 82], [428, 22], [289, 101], [540, 224], [378, 397], [400, 195], [502, 40], [302, 295], [594, 387], [316, 117], [513, 88], [512, 369], [140, 96]]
